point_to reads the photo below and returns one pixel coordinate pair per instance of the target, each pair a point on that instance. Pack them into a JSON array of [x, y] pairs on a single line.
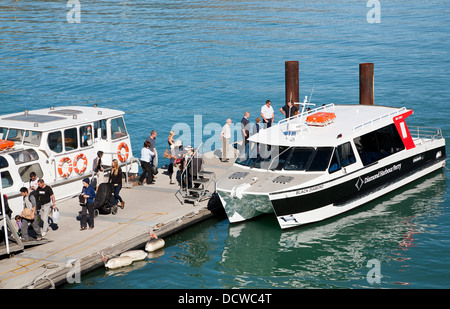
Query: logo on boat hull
[[379, 174]]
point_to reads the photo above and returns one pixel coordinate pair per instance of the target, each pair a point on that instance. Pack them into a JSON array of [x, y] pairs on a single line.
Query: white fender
[[154, 244], [135, 255], [118, 262]]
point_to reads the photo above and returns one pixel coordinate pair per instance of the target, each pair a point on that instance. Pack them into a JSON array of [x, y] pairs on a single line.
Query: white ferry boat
[[327, 161], [59, 144]]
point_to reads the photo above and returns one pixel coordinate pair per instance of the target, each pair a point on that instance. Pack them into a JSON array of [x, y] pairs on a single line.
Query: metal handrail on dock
[[184, 187]]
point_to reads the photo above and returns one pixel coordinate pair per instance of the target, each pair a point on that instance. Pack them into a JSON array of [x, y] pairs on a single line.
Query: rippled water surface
[[165, 61]]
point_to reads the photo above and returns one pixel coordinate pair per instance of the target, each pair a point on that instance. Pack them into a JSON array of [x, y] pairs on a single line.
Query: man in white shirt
[[33, 181], [267, 114], [225, 135], [146, 163]]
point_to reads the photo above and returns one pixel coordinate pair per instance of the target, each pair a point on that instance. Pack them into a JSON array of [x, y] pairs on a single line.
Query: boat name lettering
[[310, 189], [383, 173]]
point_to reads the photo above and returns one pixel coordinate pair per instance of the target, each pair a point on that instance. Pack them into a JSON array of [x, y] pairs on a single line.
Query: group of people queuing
[[175, 152], [267, 116], [39, 200]]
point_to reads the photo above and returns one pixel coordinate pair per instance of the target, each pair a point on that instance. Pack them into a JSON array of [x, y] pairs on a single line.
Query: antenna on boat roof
[[310, 96]]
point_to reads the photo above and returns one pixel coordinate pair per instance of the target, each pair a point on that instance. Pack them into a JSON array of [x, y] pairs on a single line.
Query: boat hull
[[245, 207], [326, 200]]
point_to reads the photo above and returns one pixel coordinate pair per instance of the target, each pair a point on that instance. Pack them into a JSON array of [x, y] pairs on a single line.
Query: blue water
[[163, 62]]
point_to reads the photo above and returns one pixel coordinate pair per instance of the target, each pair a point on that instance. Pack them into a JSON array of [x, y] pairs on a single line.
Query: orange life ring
[[75, 163], [119, 152], [60, 170]]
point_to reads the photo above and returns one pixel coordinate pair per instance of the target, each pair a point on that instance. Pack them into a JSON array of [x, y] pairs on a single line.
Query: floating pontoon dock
[[69, 250]]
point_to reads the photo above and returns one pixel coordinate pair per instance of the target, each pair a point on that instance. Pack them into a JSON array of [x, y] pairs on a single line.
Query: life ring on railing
[[75, 163], [69, 170], [119, 152]]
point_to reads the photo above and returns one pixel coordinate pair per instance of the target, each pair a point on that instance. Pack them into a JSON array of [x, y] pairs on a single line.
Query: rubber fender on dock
[[118, 262], [135, 255], [154, 244]]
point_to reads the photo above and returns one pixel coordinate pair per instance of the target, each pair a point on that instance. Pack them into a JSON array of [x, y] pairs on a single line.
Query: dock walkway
[[70, 251]]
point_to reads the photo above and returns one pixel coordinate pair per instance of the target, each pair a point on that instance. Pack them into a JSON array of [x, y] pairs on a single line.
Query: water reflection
[[334, 252]]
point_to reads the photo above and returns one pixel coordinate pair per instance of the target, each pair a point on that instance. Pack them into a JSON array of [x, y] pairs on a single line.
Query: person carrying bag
[[29, 215]]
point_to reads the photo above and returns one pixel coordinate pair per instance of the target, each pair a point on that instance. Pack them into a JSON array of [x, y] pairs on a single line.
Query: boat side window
[[25, 171], [6, 180], [378, 144], [321, 159], [70, 139], [118, 128], [299, 159], [3, 132], [86, 136], [335, 164], [54, 141], [101, 124], [24, 156], [15, 136], [32, 138], [342, 156], [3, 162]]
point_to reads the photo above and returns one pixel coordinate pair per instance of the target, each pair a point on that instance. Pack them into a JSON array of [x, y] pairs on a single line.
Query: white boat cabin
[[59, 144]]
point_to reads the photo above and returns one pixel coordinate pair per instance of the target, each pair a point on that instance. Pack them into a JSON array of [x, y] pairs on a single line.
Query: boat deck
[[147, 207]]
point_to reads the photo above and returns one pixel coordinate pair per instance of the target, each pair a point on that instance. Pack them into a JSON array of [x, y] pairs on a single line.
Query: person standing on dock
[[46, 199], [89, 194], [245, 128], [225, 135], [29, 201], [257, 125], [152, 140], [115, 177], [267, 114], [171, 144], [146, 163], [98, 169]]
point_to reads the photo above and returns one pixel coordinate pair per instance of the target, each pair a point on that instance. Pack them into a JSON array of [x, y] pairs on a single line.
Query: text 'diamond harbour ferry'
[[59, 144], [327, 161]]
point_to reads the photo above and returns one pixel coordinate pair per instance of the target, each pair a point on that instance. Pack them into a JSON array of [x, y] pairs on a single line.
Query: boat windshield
[[285, 158], [261, 156]]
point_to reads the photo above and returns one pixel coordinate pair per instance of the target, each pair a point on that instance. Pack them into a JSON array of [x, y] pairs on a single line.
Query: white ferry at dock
[[327, 161], [59, 144]]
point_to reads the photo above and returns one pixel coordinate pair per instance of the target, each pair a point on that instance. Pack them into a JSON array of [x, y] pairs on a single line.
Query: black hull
[[356, 187]]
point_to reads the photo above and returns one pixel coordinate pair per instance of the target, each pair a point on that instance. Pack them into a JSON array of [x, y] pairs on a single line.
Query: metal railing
[[300, 118], [425, 133], [128, 163], [184, 173]]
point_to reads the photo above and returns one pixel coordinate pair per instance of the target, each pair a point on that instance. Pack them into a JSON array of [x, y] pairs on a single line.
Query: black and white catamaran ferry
[[59, 144], [328, 160]]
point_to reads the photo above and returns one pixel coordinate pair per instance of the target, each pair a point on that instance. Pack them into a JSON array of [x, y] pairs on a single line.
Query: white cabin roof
[[351, 121], [52, 118]]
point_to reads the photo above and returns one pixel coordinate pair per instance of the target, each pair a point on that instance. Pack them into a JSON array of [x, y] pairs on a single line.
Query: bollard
[[366, 84], [291, 82]]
